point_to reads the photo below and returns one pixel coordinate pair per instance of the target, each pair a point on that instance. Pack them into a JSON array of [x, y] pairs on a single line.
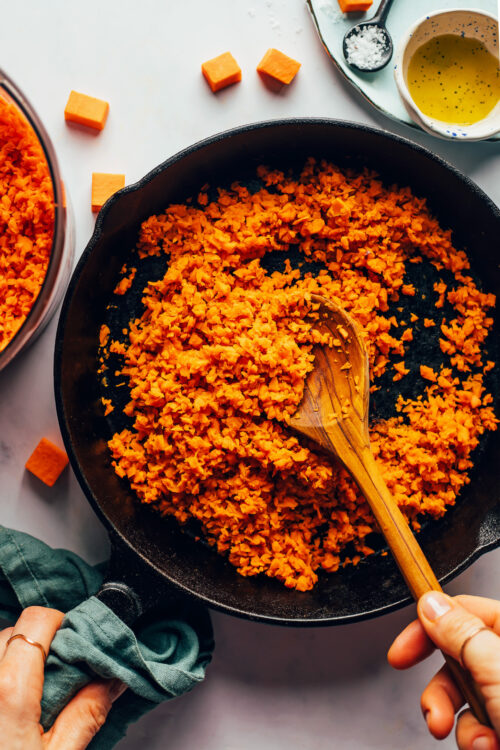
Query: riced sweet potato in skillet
[[219, 356]]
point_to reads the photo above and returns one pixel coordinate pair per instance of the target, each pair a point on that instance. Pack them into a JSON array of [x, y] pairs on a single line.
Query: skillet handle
[[133, 590], [130, 587], [122, 600]]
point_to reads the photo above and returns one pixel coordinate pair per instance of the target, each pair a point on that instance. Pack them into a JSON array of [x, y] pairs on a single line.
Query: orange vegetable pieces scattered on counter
[[278, 66], [348, 6], [47, 462], [103, 187], [86, 110], [221, 71]]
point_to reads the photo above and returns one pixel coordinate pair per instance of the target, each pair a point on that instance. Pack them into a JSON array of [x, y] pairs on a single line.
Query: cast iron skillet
[[152, 559]]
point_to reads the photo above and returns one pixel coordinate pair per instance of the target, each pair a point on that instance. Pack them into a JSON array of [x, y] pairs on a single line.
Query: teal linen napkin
[[164, 658]]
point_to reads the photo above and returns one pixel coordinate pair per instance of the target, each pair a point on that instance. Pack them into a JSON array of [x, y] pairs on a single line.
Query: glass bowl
[[61, 256]]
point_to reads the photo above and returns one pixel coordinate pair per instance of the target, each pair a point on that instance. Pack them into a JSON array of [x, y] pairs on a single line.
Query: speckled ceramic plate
[[380, 88]]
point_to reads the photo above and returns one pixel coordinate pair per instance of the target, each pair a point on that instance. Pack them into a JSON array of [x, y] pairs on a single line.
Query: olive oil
[[454, 79]]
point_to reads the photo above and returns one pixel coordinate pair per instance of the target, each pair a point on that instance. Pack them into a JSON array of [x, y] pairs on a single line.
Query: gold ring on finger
[[468, 639], [30, 642]]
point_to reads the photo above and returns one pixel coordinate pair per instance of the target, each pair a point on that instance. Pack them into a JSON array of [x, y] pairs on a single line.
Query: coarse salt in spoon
[[368, 46]]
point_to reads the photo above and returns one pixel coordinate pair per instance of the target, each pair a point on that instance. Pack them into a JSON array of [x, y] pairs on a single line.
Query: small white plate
[[380, 88]]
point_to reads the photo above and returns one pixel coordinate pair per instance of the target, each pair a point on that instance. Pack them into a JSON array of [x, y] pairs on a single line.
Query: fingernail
[[482, 743], [435, 605], [115, 689]]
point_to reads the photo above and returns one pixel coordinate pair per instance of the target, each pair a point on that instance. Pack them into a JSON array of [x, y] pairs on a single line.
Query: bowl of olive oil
[[447, 73]]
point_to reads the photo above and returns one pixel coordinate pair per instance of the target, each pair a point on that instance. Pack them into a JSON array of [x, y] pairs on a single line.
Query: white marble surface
[[268, 687]]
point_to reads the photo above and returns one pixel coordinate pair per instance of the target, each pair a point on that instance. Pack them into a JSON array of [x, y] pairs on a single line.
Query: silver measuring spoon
[[367, 46]]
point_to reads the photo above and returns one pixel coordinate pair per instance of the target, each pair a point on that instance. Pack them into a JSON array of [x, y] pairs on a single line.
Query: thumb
[[84, 715], [465, 637]]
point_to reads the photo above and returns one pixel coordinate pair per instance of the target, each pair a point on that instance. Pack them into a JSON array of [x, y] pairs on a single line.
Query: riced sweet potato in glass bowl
[[36, 237]]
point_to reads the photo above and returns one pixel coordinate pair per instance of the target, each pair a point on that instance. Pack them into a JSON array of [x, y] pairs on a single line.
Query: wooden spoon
[[334, 413]]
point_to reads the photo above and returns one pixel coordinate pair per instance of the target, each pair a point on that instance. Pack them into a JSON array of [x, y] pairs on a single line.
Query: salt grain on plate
[[365, 49], [332, 12]]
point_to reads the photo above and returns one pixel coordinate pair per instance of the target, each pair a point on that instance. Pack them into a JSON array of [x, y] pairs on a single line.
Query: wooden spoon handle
[[407, 552], [412, 562]]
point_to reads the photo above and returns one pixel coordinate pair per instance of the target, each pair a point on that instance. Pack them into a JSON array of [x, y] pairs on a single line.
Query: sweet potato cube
[[279, 66], [348, 6], [103, 187], [47, 462], [221, 71], [86, 110]]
